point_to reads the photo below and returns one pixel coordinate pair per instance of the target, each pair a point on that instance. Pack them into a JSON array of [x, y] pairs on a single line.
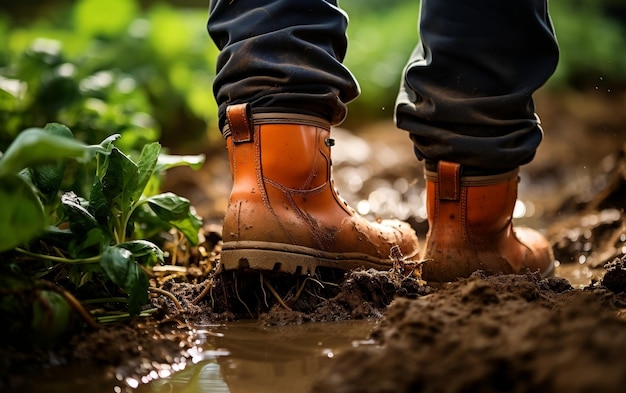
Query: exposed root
[[276, 295], [241, 300], [160, 291], [299, 291]]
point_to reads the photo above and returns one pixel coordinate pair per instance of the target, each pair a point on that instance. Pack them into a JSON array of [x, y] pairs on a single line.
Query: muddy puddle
[[246, 356], [242, 356]]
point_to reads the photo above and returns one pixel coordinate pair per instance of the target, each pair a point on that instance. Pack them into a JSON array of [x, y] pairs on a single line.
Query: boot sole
[[287, 258]]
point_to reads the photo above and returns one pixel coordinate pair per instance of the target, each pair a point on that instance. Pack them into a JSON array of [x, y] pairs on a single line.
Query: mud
[[507, 333]]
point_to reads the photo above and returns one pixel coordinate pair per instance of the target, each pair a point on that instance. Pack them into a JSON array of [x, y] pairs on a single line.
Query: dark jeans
[[466, 94]]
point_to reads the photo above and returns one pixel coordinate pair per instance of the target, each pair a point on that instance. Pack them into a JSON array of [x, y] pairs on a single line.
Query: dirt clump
[[504, 333], [615, 276]]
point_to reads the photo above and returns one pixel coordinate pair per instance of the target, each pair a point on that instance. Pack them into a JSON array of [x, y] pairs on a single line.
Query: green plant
[[23, 215], [85, 242]]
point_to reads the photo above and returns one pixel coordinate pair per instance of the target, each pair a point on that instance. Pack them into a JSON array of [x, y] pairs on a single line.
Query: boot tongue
[[449, 183]]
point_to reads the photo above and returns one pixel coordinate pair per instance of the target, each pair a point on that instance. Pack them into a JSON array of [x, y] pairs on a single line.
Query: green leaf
[[22, 215], [147, 252], [48, 177], [89, 243], [176, 210], [147, 163], [120, 266], [169, 206], [81, 220], [120, 180], [189, 226], [167, 161], [56, 236], [99, 204], [35, 146]]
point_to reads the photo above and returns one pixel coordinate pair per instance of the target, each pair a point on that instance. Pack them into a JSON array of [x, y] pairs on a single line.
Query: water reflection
[[247, 357], [204, 377]]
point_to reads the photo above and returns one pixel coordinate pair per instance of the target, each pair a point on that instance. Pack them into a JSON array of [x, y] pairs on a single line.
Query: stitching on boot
[[311, 175], [259, 171], [463, 214]]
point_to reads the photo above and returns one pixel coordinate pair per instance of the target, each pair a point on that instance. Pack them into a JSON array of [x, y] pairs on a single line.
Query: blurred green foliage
[[145, 69], [105, 67]]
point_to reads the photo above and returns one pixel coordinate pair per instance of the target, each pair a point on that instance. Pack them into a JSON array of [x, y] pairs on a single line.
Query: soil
[[503, 333], [492, 334]]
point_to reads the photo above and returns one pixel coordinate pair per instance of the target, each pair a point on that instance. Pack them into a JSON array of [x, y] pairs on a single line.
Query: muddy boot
[[470, 228], [284, 213]]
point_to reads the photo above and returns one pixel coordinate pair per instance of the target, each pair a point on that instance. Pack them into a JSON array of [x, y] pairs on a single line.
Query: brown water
[[248, 357]]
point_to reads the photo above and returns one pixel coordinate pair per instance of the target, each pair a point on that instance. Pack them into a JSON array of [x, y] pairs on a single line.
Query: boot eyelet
[[329, 142]]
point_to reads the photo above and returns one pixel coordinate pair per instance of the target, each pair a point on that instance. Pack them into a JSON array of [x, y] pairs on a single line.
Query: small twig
[[207, 288], [403, 268], [58, 252], [277, 296], [398, 261], [169, 295], [164, 279]]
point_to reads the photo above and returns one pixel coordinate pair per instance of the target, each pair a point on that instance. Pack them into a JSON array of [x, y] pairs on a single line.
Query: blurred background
[[145, 68]]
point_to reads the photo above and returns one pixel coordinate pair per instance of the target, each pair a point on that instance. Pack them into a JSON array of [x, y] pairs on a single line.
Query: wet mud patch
[[110, 354], [504, 333], [282, 299]]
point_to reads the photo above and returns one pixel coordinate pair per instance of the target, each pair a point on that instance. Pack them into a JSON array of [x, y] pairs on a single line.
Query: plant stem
[[106, 300], [51, 258], [127, 218], [122, 316]]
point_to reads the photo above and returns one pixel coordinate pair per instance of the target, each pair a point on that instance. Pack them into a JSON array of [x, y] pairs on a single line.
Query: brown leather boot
[[470, 228], [284, 213]]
